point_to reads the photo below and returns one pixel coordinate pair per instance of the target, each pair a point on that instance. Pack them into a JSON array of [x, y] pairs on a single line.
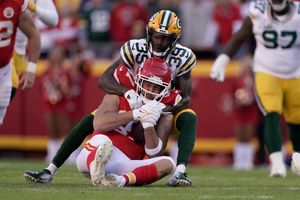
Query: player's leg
[[137, 172], [270, 100], [185, 123], [94, 157], [73, 140], [292, 116], [5, 89], [243, 151]]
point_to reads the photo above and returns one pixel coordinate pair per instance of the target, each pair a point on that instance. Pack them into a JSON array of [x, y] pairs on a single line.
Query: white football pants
[[5, 89]]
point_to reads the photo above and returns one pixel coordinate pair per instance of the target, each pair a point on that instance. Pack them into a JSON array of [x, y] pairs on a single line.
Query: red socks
[[91, 157], [142, 175]]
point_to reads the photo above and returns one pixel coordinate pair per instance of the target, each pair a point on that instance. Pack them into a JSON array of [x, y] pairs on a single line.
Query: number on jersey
[[271, 38], [6, 31]]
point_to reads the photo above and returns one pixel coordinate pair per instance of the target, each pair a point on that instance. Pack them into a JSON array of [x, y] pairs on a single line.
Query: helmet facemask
[[153, 80], [145, 94]]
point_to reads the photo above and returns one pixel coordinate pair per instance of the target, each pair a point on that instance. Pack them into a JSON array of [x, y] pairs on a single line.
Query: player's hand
[[32, 6], [218, 69], [149, 113], [156, 109], [27, 80], [133, 99]]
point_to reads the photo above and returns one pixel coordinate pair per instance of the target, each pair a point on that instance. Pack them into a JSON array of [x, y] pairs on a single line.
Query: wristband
[[155, 150], [31, 67]]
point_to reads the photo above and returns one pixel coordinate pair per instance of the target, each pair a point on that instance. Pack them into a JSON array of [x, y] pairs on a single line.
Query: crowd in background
[[102, 26]]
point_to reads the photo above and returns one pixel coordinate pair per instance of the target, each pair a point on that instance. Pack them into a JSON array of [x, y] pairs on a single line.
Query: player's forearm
[[112, 120], [233, 46], [153, 145], [34, 46], [108, 83], [111, 86], [163, 129], [184, 103], [239, 38]]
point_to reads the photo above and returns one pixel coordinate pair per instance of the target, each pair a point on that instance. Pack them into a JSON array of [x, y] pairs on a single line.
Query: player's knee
[[168, 165], [187, 116]]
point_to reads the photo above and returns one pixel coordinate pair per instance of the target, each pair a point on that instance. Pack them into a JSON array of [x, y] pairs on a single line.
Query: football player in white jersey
[[275, 25], [45, 11], [163, 33]]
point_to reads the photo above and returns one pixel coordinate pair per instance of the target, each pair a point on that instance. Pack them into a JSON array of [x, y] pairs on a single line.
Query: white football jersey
[[277, 41], [181, 59]]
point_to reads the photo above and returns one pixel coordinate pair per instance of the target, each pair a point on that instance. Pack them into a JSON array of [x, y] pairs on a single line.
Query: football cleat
[[102, 156], [180, 180], [278, 171], [111, 180], [39, 177], [295, 165]]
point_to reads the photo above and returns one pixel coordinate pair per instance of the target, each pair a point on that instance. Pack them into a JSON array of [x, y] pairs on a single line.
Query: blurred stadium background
[[91, 33]]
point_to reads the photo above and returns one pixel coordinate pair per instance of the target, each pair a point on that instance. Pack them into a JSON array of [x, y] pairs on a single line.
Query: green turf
[[208, 183]]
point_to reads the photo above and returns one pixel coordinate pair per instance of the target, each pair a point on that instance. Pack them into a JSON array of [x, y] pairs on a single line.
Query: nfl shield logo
[[8, 12]]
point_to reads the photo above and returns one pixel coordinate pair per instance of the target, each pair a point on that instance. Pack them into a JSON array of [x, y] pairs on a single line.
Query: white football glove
[[134, 100], [149, 113], [217, 71]]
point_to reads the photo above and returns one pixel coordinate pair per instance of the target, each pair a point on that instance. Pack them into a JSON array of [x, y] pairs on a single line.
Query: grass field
[[208, 183]]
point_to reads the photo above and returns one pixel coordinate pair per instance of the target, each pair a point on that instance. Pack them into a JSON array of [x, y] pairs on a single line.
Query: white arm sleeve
[[46, 11]]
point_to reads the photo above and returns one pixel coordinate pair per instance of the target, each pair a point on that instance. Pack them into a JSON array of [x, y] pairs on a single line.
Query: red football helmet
[[156, 72]]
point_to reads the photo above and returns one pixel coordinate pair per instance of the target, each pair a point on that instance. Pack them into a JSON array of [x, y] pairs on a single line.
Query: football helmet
[[167, 24], [278, 5], [154, 71]]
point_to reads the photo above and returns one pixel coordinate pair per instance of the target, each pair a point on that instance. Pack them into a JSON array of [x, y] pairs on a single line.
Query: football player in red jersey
[[114, 149], [13, 16], [163, 33]]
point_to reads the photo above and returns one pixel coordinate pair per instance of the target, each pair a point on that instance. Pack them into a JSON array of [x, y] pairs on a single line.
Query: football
[[137, 133]]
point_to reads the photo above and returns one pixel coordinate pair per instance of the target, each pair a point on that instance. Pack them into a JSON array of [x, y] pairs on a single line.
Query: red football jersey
[[132, 144], [10, 11]]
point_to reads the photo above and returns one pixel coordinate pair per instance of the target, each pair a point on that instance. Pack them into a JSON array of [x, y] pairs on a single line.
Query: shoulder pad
[[256, 8], [189, 63], [131, 49], [172, 98]]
